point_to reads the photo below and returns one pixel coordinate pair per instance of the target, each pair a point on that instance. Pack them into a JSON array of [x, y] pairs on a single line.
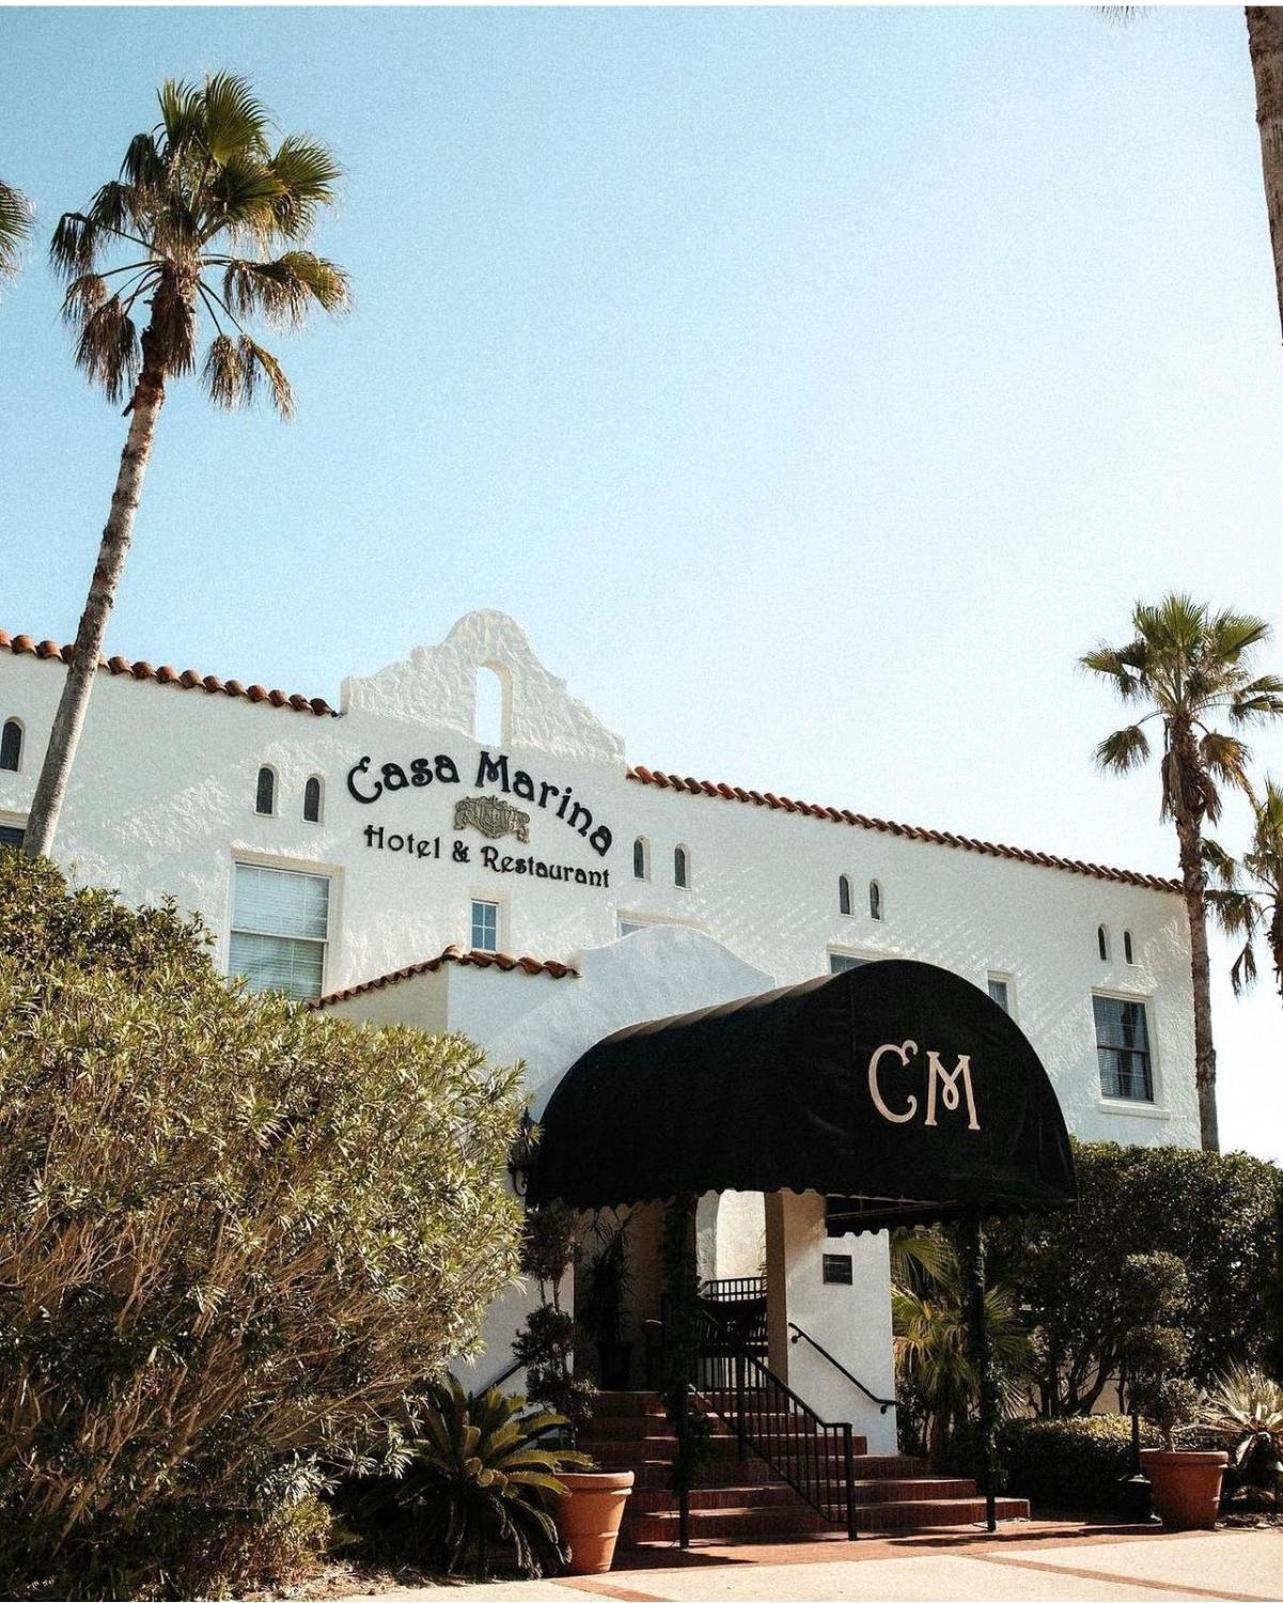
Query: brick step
[[762, 1494], [732, 1523], [800, 1520], [612, 1404], [625, 1428], [653, 1474], [653, 1469]]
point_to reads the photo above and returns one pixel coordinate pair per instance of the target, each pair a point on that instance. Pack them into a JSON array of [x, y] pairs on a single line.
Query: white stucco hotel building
[[572, 894]]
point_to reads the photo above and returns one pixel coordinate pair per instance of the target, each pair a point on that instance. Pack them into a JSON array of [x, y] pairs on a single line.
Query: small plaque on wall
[[837, 1269]]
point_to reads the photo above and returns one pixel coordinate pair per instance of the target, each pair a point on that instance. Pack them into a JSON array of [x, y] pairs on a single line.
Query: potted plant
[[602, 1306], [482, 1477], [590, 1514], [1186, 1484]]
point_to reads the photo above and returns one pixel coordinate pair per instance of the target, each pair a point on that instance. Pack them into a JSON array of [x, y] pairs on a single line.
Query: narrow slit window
[[1102, 942], [875, 899], [312, 801], [11, 746], [844, 895], [1127, 947], [641, 858], [265, 792], [681, 867]]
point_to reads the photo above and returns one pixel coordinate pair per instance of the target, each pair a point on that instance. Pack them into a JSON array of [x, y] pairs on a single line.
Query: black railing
[[813, 1455], [801, 1335], [739, 1288]]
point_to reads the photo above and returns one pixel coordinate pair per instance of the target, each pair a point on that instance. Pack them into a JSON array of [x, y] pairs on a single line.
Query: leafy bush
[[233, 1231], [1069, 1464], [481, 1475], [1219, 1214]]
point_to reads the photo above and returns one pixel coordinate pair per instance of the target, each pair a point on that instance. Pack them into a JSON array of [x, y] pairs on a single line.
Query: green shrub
[[1218, 1213], [1069, 1464], [233, 1232]]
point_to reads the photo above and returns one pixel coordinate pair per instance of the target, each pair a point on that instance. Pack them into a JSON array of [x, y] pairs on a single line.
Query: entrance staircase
[[743, 1498]]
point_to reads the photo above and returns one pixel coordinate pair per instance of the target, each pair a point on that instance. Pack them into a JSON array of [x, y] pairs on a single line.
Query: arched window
[[681, 867], [875, 899], [1127, 947], [641, 858], [265, 793], [11, 745], [1102, 942], [312, 801], [844, 895], [490, 707]]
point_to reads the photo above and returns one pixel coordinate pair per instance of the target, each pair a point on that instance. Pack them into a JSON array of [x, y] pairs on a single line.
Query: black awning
[[899, 1090]]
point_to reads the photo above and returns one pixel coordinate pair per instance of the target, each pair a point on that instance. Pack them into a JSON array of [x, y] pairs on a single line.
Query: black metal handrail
[[815, 1456], [801, 1335]]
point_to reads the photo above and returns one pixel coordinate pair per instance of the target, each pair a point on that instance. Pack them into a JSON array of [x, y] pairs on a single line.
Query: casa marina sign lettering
[[492, 816], [953, 1085], [486, 813]]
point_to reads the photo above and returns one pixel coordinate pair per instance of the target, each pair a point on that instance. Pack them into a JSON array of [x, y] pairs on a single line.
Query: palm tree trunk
[[1194, 879], [55, 772], [1265, 43]]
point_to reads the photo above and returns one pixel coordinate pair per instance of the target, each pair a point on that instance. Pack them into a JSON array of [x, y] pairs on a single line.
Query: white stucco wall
[[162, 802]]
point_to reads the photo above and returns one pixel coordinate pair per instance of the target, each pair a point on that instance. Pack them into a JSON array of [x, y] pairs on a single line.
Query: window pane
[[276, 963], [11, 745], [265, 794], [625, 928], [278, 901], [312, 801], [840, 962], [1122, 1048], [12, 835], [998, 993], [485, 926]]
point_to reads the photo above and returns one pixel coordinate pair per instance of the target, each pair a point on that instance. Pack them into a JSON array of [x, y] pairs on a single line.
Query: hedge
[[1069, 1464]]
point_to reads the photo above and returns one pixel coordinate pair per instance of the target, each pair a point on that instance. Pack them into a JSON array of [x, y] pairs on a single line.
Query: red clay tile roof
[[938, 837], [187, 679], [455, 954]]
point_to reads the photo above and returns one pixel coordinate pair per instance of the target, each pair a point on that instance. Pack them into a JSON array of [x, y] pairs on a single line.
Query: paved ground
[[1041, 1562]]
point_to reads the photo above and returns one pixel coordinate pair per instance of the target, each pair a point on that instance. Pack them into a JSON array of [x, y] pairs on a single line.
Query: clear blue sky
[[814, 385]]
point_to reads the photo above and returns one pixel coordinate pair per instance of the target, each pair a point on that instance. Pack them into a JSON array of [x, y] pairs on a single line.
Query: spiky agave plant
[[213, 219], [1246, 1409], [1189, 668], [16, 214], [480, 1478]]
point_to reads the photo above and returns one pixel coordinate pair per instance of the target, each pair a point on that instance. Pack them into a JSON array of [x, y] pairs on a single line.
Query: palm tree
[[201, 196], [1265, 48], [1255, 910], [1190, 667], [15, 228], [934, 1352]]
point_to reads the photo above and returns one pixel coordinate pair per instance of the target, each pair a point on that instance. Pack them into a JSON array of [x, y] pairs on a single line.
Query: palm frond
[[308, 174], [1219, 862], [16, 220], [76, 245], [1225, 758], [108, 350], [223, 374], [1230, 634], [1119, 665], [235, 121], [180, 112], [261, 364], [284, 291], [1124, 750], [143, 168]]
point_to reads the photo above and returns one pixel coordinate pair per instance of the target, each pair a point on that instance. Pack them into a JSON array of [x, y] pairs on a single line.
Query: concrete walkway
[[1042, 1564]]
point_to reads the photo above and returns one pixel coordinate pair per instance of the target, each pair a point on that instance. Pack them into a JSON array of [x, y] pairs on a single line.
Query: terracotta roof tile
[[465, 959], [1018, 854], [189, 679]]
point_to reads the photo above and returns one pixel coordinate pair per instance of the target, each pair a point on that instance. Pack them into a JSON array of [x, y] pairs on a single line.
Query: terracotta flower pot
[[588, 1518], [1187, 1487]]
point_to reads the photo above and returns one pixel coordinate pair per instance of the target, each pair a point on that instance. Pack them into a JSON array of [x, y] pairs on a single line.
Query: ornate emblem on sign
[[493, 817]]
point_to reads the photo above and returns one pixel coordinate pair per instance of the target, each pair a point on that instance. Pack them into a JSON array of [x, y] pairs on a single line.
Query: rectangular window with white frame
[[1001, 991], [280, 929], [485, 926], [840, 962], [1122, 1048]]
